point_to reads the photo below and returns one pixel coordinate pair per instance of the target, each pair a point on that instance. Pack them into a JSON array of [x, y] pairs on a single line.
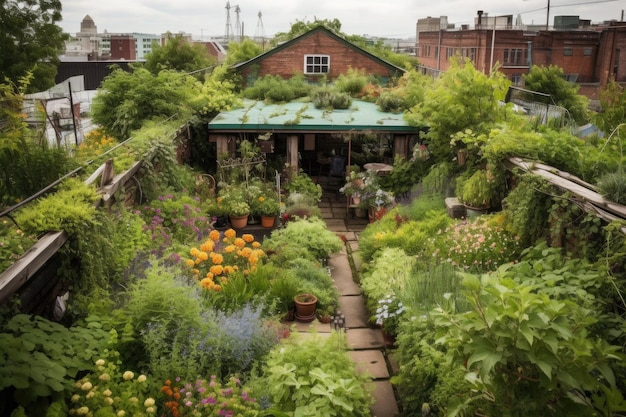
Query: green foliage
[[613, 108], [303, 26], [39, 357], [129, 99], [178, 54], [13, 243], [217, 94], [526, 209], [275, 89], [31, 41], [551, 80], [461, 98], [478, 190], [404, 175], [303, 184], [437, 180], [328, 97], [315, 377], [613, 186], [525, 350], [242, 51], [69, 209], [391, 102], [310, 234], [352, 82], [314, 279]]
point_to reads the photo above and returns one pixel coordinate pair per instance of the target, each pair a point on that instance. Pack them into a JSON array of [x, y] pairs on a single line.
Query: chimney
[[480, 19]]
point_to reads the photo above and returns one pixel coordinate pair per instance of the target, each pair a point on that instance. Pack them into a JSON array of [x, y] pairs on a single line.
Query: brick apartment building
[[589, 55]]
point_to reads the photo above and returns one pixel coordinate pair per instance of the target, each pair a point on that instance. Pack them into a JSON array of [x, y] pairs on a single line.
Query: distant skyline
[[391, 18]]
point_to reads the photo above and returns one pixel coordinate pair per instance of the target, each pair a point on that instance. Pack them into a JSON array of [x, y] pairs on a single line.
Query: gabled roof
[[295, 116], [329, 33]]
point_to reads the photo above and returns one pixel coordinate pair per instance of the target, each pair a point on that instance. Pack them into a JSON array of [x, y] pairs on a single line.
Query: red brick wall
[[123, 47], [290, 60]]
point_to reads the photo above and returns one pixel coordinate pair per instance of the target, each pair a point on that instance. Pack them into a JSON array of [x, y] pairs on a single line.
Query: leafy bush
[[311, 234], [328, 97], [353, 82], [391, 102], [276, 89], [316, 378], [39, 358], [303, 184]]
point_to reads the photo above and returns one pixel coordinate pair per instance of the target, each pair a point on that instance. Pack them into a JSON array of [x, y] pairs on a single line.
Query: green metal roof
[[300, 116]]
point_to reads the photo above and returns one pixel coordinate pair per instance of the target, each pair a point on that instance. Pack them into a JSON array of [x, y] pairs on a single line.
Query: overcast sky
[[385, 18]]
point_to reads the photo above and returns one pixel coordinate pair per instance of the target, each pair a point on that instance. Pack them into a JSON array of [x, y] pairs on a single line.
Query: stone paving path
[[367, 346]]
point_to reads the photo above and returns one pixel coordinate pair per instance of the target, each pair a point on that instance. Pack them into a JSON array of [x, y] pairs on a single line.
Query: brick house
[[316, 53], [317, 134]]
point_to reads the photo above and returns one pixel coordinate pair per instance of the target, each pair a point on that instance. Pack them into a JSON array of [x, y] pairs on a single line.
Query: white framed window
[[316, 64]]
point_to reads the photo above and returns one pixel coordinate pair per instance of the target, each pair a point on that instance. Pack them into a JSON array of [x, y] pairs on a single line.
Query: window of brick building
[[514, 56], [587, 51], [316, 64], [568, 51]]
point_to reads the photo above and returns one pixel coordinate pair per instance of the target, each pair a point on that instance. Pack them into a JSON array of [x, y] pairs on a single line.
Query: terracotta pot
[[239, 222], [268, 221], [305, 307]]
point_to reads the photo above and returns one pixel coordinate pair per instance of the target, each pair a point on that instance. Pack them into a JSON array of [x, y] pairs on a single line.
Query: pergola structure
[[300, 125]]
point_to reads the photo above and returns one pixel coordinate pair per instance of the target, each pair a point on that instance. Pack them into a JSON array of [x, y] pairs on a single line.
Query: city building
[[589, 55]]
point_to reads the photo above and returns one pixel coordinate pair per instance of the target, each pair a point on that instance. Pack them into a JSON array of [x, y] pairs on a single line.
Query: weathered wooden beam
[[115, 184], [29, 263]]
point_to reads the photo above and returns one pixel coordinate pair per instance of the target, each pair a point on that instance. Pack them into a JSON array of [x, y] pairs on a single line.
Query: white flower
[[148, 403], [128, 375]]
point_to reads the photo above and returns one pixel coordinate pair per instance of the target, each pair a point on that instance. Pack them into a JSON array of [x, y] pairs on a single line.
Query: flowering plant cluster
[[223, 254], [477, 246], [108, 392], [388, 312], [267, 205], [208, 398], [366, 186]]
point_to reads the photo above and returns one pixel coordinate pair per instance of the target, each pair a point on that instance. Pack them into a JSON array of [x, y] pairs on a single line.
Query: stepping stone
[[350, 236], [336, 225], [365, 339], [385, 404], [455, 209], [353, 308], [370, 362]]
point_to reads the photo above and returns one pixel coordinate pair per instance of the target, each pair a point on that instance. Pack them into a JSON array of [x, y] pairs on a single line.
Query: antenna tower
[[238, 33], [260, 30], [229, 26]]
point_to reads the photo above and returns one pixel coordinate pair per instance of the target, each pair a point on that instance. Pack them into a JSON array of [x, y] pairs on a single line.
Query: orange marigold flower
[[230, 233], [198, 261], [256, 244], [194, 252], [224, 280], [207, 283], [247, 237], [217, 258], [229, 249], [214, 235], [210, 275], [207, 246], [246, 272], [195, 271], [240, 243], [217, 269], [261, 199], [203, 255], [246, 252], [217, 288], [190, 262]]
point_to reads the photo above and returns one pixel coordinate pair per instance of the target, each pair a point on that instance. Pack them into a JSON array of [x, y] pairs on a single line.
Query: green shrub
[[613, 186], [328, 97], [352, 82], [303, 184], [39, 358], [311, 234], [315, 378], [391, 102], [276, 89]]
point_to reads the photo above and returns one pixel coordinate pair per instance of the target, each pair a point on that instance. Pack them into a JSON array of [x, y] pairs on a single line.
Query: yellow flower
[[240, 243], [148, 403], [104, 377], [203, 256], [229, 248], [100, 362], [190, 262], [248, 238], [214, 235], [217, 269], [128, 375], [75, 398], [194, 252], [108, 401], [121, 413], [261, 199], [217, 258], [207, 246], [107, 393], [141, 378], [82, 411], [86, 386], [230, 233], [256, 245]]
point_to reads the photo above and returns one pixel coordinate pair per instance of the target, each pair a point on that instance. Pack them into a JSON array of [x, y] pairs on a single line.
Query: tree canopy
[[30, 41], [551, 80], [178, 54]]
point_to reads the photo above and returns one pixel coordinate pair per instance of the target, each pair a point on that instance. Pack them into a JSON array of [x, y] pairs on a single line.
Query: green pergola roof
[[258, 116]]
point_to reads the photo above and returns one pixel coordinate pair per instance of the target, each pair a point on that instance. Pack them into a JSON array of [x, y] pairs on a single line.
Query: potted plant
[[268, 208], [238, 211], [354, 187], [305, 307], [476, 191]]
